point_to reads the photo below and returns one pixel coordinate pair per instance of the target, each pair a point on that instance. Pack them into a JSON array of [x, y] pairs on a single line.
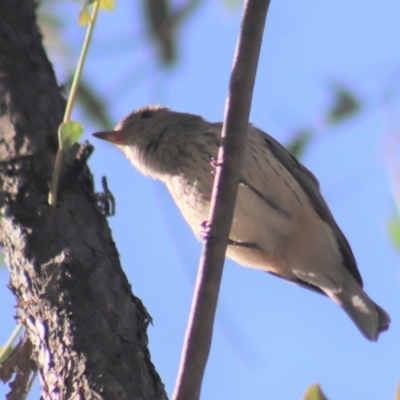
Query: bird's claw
[[205, 231]]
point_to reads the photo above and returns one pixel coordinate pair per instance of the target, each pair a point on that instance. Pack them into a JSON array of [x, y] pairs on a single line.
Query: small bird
[[281, 223]]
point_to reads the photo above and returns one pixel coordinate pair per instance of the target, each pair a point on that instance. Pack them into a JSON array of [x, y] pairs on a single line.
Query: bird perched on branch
[[281, 224]]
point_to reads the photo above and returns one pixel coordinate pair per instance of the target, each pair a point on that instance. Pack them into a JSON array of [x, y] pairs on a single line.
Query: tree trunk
[[88, 332]]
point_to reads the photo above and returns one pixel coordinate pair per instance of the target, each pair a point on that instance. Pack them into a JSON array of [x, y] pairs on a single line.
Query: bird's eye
[[147, 114]]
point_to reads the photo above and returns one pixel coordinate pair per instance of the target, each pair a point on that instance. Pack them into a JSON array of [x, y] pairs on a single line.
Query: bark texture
[[88, 332]]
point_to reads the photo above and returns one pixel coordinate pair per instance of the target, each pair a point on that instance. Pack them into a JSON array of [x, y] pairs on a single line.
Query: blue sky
[[272, 339]]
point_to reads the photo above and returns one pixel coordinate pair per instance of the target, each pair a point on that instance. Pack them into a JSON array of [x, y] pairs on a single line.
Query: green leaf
[[68, 134], [298, 143], [84, 17], [163, 22], [314, 392], [107, 5], [393, 227], [162, 28], [345, 104]]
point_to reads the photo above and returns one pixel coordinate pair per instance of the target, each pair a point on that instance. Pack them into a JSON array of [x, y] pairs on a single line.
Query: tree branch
[[199, 334]]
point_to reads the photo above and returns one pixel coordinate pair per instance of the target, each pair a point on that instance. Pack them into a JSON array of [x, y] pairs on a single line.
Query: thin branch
[[199, 333], [71, 101], [8, 345]]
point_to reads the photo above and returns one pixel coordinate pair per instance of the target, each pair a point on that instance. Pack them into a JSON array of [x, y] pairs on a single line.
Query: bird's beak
[[119, 137]]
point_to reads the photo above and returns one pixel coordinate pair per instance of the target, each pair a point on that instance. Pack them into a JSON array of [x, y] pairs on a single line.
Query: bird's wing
[[310, 185]]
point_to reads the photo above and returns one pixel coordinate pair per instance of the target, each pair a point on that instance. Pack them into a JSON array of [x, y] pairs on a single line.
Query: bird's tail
[[370, 318]]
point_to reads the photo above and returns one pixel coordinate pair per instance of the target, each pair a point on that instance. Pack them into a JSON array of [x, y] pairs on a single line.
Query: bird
[[281, 223]]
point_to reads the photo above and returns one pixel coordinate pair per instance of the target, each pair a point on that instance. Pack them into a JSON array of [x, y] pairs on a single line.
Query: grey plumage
[[281, 224]]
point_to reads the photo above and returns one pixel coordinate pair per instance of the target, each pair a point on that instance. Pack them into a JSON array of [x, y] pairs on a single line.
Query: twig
[[71, 101], [5, 350], [199, 332]]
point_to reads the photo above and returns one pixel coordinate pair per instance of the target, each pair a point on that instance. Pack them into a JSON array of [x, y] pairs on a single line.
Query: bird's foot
[[205, 231]]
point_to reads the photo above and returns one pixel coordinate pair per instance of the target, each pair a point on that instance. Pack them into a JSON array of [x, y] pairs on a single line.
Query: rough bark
[[88, 332]]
